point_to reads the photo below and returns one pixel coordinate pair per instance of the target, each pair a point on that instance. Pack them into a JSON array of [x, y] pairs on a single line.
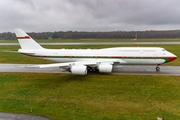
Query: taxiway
[[118, 69]]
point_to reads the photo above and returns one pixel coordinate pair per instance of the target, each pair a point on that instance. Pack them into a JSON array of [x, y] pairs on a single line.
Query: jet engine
[[105, 68], [79, 70]]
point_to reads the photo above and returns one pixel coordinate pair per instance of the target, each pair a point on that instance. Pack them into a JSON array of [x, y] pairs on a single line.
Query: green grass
[[65, 96], [108, 97]]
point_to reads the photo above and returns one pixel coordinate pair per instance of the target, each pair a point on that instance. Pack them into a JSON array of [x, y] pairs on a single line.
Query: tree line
[[113, 34]]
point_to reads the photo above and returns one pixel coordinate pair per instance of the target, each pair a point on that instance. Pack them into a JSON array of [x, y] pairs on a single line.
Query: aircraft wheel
[[157, 68], [93, 69]]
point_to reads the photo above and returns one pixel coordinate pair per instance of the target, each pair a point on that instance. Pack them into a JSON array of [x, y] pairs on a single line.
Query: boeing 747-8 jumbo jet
[[80, 61]]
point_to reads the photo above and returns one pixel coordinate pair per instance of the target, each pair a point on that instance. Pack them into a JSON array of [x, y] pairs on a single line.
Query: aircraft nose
[[172, 58]]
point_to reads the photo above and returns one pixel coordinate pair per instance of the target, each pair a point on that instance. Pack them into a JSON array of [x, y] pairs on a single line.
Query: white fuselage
[[125, 55]]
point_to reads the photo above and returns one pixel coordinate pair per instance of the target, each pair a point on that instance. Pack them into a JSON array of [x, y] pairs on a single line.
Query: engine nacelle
[[79, 70], [105, 68]]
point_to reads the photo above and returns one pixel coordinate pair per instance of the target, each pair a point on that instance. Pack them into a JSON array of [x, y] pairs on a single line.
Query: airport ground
[[117, 69], [95, 96]]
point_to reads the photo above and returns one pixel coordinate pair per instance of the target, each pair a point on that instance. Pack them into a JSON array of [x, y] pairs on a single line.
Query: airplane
[[81, 61]]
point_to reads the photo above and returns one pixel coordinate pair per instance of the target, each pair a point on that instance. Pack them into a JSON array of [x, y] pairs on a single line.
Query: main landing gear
[[92, 69], [158, 68]]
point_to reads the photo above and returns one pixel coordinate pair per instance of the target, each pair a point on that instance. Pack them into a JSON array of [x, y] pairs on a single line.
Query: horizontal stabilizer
[[11, 51]]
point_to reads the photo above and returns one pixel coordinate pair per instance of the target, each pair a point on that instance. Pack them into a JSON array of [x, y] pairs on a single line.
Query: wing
[[90, 63]]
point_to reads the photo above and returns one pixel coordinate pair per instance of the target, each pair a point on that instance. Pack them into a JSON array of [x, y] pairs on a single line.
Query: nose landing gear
[[158, 68]]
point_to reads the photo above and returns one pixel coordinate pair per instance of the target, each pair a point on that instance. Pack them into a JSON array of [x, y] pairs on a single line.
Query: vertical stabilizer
[[25, 41]]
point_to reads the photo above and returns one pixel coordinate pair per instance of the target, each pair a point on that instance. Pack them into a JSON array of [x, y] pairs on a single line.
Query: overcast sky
[[89, 15]]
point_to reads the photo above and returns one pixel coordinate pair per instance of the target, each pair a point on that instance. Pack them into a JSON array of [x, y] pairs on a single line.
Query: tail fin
[[25, 41]]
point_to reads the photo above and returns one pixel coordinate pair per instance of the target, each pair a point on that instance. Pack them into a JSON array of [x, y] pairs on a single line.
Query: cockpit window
[[163, 50]]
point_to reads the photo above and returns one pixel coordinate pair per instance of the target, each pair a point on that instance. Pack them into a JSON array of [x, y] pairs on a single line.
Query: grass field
[[92, 97]]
